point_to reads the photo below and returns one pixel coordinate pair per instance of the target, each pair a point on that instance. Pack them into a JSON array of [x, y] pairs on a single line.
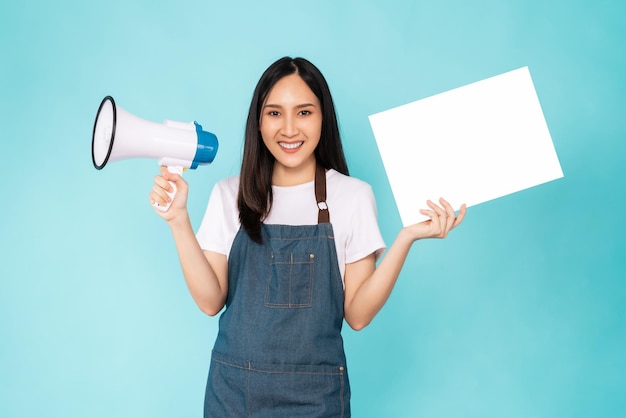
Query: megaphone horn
[[118, 134]]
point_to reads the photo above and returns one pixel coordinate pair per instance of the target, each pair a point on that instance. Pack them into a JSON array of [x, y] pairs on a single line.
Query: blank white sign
[[469, 145]]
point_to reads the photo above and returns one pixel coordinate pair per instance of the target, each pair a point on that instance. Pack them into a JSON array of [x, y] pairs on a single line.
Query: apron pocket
[[290, 284], [297, 391], [238, 388]]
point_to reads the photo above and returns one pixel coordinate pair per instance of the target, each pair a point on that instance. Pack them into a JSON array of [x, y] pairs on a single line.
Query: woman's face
[[291, 126]]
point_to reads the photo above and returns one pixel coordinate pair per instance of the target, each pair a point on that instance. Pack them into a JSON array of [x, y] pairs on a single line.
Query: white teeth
[[291, 146]]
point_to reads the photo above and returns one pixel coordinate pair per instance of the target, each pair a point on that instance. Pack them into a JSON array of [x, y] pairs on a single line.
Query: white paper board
[[469, 145]]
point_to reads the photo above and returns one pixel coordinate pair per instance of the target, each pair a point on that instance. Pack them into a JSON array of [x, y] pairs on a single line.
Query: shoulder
[[336, 178], [227, 187], [346, 186], [223, 197]]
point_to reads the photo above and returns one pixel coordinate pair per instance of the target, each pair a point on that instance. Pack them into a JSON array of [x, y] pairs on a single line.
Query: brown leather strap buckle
[[323, 215]]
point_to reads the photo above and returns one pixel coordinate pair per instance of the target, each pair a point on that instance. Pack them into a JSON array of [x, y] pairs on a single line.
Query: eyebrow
[[300, 106]]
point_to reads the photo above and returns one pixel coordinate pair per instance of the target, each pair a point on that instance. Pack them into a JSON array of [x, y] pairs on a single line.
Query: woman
[[289, 247]]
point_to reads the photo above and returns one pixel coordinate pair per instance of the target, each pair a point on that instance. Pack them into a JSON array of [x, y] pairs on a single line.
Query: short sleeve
[[221, 220], [364, 237]]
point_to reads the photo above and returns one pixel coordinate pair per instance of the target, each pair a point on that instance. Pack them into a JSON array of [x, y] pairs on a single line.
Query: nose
[[290, 126]]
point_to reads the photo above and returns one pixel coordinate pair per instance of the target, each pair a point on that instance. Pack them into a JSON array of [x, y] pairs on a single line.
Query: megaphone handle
[[174, 170]]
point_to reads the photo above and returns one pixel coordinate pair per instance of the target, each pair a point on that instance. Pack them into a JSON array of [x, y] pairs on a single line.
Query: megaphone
[[118, 135]]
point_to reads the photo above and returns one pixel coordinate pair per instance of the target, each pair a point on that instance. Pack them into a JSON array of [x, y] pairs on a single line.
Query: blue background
[[520, 313]]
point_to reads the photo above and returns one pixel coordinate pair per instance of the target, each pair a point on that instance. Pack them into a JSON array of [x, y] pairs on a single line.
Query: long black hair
[[255, 183]]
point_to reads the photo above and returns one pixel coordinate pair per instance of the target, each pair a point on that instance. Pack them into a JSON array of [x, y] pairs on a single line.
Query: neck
[[292, 176]]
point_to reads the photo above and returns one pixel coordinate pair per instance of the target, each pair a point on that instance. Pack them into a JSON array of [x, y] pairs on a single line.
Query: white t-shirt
[[350, 203]]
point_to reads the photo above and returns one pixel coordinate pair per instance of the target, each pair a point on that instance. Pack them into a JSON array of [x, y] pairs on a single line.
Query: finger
[[175, 178], [459, 218], [170, 175], [451, 218], [436, 208], [447, 207], [434, 222], [156, 199], [431, 214], [445, 218], [443, 226], [461, 215], [159, 194], [163, 183]]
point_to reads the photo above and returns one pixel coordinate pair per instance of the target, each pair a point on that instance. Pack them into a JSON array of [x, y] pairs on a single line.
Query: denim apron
[[279, 350]]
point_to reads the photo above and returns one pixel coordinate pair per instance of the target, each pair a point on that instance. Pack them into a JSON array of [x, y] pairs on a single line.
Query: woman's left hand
[[442, 221]]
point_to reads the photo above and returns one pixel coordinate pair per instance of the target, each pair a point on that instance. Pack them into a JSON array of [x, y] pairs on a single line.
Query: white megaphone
[[119, 135]]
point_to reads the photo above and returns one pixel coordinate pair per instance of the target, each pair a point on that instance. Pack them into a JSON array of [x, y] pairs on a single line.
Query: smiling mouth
[[292, 145]]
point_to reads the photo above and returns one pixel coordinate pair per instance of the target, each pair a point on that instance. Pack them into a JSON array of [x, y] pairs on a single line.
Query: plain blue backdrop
[[519, 313]]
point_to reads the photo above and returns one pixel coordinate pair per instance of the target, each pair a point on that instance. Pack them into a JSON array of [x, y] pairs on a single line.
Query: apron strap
[[323, 216]]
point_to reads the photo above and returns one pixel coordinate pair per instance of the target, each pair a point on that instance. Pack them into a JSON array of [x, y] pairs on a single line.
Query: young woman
[[289, 248]]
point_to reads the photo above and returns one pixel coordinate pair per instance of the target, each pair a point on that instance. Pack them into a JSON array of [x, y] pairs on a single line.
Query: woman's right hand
[[159, 195]]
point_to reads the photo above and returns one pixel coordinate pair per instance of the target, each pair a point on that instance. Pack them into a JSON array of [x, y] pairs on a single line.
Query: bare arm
[[206, 272], [367, 288]]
